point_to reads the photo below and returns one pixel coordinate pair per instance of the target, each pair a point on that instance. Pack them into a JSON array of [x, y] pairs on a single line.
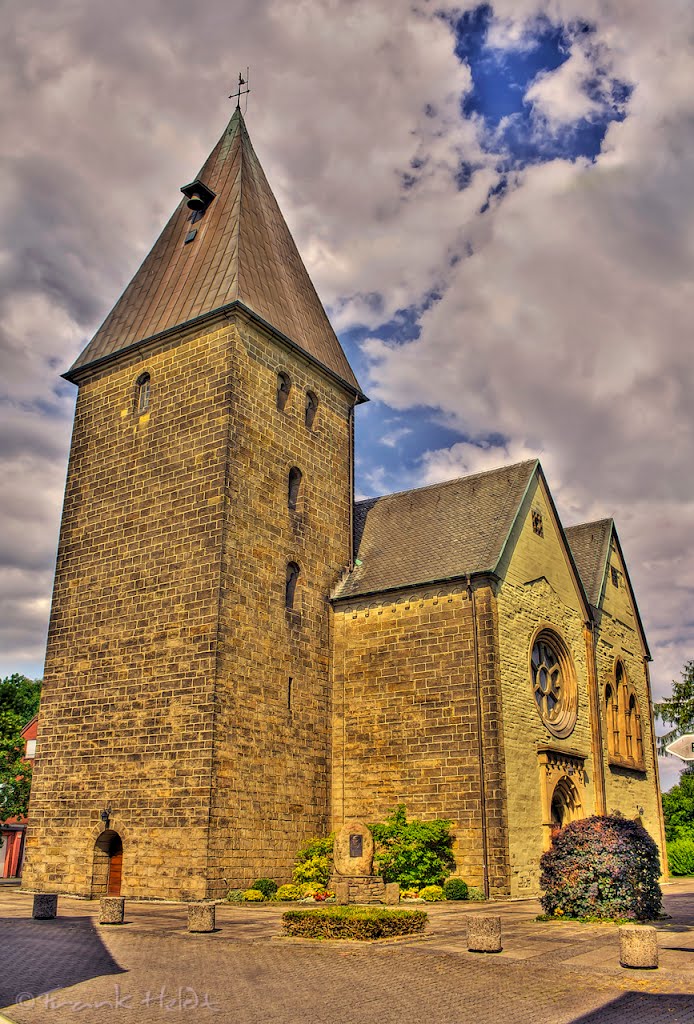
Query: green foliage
[[19, 702], [413, 853], [431, 893], [252, 896], [455, 889], [288, 892], [678, 807], [311, 888], [680, 855], [353, 922], [235, 895], [677, 710], [314, 861], [602, 867], [265, 885], [476, 894]]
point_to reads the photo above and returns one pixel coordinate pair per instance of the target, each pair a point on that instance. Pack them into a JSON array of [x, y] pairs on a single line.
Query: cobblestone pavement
[[73, 971]]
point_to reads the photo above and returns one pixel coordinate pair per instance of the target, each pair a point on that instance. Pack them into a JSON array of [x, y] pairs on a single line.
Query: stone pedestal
[[112, 910], [45, 906], [392, 893], [201, 917], [638, 946], [341, 890], [483, 934], [359, 888]]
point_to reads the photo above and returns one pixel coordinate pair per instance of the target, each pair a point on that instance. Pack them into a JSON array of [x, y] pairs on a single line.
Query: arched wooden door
[[115, 866]]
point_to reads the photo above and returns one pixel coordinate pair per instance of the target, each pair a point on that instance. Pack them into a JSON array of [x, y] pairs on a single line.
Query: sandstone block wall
[[126, 718], [405, 718]]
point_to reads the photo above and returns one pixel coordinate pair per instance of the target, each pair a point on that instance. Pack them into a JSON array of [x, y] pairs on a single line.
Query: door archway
[[108, 864]]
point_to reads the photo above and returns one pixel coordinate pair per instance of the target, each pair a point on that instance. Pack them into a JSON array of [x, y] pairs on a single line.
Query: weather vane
[[241, 91]]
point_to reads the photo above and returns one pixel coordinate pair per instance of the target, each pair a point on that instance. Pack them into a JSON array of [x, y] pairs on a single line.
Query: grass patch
[[352, 922]]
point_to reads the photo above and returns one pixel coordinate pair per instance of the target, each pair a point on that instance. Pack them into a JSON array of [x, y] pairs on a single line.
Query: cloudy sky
[[494, 202]]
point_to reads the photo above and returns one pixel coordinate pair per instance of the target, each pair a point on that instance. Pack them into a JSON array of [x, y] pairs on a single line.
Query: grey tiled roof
[[243, 251], [435, 533], [589, 545]]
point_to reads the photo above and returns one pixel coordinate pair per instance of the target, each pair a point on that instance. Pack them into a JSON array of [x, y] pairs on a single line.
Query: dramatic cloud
[[494, 202]]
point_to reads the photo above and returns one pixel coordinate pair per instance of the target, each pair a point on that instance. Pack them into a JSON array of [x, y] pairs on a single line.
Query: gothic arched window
[[290, 587], [294, 487], [311, 409], [143, 385], [284, 386]]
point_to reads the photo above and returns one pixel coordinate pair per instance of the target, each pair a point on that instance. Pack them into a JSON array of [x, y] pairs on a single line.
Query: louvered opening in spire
[[234, 246]]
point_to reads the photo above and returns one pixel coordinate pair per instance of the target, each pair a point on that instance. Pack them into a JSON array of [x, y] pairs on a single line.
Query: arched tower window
[[294, 488], [311, 409], [284, 386], [143, 392], [611, 716], [290, 588]]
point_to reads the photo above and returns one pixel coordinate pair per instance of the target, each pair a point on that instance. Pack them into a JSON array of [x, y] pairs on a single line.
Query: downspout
[[350, 427], [480, 744]]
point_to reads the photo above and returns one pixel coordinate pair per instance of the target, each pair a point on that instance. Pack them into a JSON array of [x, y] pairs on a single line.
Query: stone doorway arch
[[108, 864], [566, 803]]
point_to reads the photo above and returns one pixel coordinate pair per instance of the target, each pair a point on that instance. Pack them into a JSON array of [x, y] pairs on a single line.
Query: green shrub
[[476, 894], [266, 886], [252, 896], [314, 861], [680, 855], [353, 922], [602, 867], [235, 895], [413, 853], [311, 888], [431, 893], [288, 892], [455, 889]]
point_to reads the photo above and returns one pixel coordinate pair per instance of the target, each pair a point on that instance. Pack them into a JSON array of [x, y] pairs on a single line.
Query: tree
[[413, 853], [19, 702], [677, 710], [678, 808]]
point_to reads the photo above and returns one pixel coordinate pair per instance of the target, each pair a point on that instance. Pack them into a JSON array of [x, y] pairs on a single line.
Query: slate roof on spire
[[242, 252]]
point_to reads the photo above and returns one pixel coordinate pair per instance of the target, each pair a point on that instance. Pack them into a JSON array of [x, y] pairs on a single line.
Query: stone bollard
[[638, 946], [392, 892], [201, 917], [341, 890], [45, 906], [483, 934], [112, 910]]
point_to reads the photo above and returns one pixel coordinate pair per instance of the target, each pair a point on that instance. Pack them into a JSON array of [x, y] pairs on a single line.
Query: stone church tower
[[186, 706]]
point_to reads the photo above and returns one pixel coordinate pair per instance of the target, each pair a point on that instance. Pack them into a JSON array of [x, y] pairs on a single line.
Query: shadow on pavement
[[642, 1008], [40, 956]]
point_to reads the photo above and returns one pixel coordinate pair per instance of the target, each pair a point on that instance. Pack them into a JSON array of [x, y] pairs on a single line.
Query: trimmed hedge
[[267, 886], [602, 867], [431, 893], [680, 856], [352, 922], [455, 889]]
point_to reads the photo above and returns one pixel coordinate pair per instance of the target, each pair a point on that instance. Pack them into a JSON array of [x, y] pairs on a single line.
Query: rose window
[[554, 683]]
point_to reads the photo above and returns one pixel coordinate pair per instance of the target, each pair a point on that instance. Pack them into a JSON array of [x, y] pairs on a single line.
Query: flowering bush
[[253, 896], [431, 893], [321, 897], [289, 892], [602, 867]]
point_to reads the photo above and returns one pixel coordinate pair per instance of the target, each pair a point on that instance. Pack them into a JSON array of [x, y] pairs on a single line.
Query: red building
[[14, 829]]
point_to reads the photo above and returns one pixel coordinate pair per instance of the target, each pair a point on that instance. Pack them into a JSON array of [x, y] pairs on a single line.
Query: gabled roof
[[242, 253], [436, 533], [590, 546]]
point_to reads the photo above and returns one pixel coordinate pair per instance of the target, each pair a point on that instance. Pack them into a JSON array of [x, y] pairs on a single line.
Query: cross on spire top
[[241, 91]]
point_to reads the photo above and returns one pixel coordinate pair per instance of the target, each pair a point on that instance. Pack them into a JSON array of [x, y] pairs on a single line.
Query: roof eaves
[[477, 574]]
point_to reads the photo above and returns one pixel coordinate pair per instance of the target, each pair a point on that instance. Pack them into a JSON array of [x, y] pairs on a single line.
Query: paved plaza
[[150, 969]]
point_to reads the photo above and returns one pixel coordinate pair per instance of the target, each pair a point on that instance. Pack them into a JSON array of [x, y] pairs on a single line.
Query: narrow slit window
[[284, 386], [143, 393], [294, 488], [311, 409], [289, 693], [290, 587]]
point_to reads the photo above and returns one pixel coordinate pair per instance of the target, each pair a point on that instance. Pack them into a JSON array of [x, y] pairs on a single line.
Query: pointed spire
[[239, 251]]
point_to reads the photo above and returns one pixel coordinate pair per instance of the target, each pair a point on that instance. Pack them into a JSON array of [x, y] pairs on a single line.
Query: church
[[240, 656]]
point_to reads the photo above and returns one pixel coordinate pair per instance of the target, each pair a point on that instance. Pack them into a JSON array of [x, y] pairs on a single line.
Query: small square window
[[614, 573], [537, 523]]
